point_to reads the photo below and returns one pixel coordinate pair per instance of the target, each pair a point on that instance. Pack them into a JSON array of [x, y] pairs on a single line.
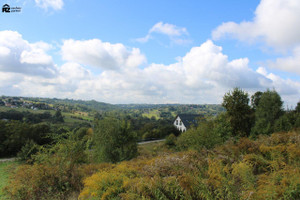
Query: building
[[184, 121]]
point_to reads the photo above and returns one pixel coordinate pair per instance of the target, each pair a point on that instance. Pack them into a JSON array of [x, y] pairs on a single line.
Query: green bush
[[204, 135], [55, 173], [170, 140], [114, 140], [29, 149]]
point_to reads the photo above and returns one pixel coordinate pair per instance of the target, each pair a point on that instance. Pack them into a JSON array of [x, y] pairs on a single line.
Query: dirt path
[[152, 141], [7, 159]]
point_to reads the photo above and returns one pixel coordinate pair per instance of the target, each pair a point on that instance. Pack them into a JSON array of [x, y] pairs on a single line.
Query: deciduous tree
[[269, 109], [239, 112]]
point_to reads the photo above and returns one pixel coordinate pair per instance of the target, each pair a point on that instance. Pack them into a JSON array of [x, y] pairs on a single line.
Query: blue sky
[[150, 51]]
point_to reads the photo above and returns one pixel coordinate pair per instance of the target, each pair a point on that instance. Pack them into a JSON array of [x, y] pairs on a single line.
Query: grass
[[6, 169], [67, 116]]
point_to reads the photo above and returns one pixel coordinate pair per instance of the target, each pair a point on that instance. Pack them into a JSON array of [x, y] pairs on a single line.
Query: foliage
[[238, 110], [269, 109], [58, 117], [204, 135], [30, 148], [268, 168], [6, 169], [15, 134], [56, 173], [286, 122], [114, 141], [170, 140], [255, 98]]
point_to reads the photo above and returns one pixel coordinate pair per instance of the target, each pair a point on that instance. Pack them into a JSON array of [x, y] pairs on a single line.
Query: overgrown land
[[248, 148]]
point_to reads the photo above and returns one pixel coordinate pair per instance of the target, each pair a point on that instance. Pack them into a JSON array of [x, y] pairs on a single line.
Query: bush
[[202, 136], [55, 173], [114, 141], [267, 168], [29, 149], [170, 140]]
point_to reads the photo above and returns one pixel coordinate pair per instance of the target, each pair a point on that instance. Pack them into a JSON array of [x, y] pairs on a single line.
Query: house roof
[[188, 119]]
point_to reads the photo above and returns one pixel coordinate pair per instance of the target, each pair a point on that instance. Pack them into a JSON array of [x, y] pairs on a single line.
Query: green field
[[5, 170], [67, 116]]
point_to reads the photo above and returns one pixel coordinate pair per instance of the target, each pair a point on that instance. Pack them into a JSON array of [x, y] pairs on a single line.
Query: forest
[[246, 148]]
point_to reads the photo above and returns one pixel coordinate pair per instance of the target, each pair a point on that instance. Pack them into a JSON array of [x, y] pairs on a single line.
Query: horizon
[[169, 52]]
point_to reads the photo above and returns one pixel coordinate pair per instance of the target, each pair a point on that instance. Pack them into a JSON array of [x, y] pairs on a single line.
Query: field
[[69, 118]]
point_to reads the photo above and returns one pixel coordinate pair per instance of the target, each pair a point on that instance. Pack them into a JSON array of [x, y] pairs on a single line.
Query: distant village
[[19, 102]]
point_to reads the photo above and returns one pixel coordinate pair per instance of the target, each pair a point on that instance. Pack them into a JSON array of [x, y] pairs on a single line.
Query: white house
[[185, 121]]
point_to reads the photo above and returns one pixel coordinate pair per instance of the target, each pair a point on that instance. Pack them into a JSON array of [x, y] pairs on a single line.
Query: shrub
[[114, 140], [55, 174], [199, 137], [170, 140], [29, 149]]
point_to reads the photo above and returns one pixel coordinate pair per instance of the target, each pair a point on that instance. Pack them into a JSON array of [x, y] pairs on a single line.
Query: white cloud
[[203, 75], [54, 4], [289, 63], [175, 33], [18, 55], [168, 29], [288, 89], [4, 51], [35, 56], [100, 54], [276, 22]]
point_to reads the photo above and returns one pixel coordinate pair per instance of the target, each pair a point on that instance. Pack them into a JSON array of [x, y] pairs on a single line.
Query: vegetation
[[268, 110], [114, 140], [239, 113], [267, 168], [248, 152], [6, 168]]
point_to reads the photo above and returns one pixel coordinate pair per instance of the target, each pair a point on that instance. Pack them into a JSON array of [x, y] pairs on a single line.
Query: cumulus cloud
[[276, 23], [18, 55], [290, 63], [54, 4], [203, 75], [100, 54], [175, 33]]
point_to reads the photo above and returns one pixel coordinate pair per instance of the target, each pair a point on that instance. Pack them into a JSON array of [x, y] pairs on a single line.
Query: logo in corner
[[6, 8]]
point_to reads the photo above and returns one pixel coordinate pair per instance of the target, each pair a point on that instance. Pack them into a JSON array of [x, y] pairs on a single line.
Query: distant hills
[[71, 105]]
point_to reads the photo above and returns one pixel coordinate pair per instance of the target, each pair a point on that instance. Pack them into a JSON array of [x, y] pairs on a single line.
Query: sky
[[140, 51]]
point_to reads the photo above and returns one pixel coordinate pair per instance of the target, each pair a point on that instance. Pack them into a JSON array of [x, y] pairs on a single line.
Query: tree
[[298, 107], [255, 99], [269, 109], [239, 112], [58, 117], [114, 141]]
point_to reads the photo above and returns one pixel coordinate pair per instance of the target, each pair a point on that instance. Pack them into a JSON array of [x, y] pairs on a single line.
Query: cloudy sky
[[131, 51]]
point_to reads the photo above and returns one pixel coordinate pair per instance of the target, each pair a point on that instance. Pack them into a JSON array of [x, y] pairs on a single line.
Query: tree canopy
[[269, 109], [239, 112]]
